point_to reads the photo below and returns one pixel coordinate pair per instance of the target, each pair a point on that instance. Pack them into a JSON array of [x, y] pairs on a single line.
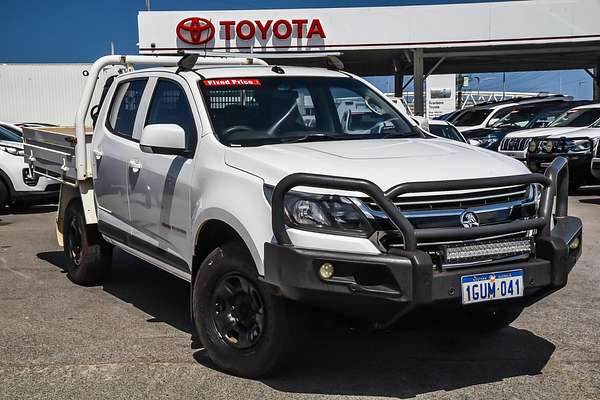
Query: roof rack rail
[[540, 97]]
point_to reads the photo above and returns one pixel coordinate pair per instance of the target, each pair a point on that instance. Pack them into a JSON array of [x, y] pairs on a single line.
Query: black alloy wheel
[[238, 311]]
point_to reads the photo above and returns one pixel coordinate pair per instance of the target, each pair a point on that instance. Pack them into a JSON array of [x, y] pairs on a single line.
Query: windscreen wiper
[[312, 137]]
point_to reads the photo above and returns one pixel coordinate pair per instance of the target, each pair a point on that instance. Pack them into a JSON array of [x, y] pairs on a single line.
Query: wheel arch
[[214, 232], [5, 179]]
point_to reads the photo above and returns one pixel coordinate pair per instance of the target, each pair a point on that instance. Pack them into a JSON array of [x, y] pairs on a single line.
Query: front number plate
[[492, 286]]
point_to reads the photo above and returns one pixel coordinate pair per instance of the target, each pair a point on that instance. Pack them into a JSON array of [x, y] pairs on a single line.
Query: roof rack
[[540, 97]]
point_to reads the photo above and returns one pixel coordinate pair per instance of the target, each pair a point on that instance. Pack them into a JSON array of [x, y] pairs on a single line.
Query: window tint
[[251, 112], [471, 117], [8, 135], [445, 131], [169, 105], [578, 117], [123, 110]]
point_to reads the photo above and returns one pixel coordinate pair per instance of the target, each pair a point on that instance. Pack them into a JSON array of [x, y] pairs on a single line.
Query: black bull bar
[[555, 181]]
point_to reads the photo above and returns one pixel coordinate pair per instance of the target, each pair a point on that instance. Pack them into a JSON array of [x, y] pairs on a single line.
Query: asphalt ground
[[130, 338]]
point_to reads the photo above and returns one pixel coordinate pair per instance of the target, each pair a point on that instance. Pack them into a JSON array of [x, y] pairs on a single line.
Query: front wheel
[[243, 327], [88, 255]]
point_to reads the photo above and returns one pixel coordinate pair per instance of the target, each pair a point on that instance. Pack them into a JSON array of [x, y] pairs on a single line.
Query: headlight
[[578, 146], [323, 213], [548, 145], [485, 141], [15, 151], [533, 146]]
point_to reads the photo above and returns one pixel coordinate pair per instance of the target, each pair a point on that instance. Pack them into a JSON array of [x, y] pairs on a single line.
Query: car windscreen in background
[[9, 136], [470, 117], [577, 118]]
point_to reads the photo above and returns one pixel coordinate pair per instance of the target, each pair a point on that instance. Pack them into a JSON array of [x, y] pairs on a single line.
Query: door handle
[[98, 154], [135, 166]]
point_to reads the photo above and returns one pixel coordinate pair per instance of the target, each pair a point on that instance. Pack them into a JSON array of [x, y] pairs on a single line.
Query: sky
[[43, 31]]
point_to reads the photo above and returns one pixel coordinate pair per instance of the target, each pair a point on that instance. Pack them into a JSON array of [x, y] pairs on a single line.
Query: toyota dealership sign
[[196, 30], [339, 29]]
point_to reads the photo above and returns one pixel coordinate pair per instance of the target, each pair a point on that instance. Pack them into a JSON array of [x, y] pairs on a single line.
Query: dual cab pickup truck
[[240, 178]]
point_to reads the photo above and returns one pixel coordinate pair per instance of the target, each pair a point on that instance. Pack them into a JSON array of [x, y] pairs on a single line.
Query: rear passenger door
[[113, 144], [159, 189]]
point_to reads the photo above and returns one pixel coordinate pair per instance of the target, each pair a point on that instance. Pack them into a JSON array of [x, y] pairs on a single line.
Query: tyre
[[88, 255], [243, 328], [489, 320], [4, 195]]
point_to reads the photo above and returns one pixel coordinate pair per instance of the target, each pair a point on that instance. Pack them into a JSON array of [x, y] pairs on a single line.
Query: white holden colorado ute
[[241, 178]]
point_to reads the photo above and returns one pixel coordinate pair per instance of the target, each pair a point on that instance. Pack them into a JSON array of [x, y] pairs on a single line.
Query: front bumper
[[578, 163], [46, 196], [385, 286], [381, 287]]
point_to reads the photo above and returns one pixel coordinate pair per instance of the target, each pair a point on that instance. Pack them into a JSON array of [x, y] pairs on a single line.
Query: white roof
[[594, 105]]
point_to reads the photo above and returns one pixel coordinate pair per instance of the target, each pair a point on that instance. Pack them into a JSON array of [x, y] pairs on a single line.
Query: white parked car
[[487, 114], [18, 185], [212, 172], [578, 147], [516, 144]]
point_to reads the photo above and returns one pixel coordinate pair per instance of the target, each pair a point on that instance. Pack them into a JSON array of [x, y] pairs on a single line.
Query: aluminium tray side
[[51, 152]]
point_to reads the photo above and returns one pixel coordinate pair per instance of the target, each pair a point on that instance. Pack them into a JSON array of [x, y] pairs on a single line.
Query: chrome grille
[[514, 144], [445, 210], [463, 200]]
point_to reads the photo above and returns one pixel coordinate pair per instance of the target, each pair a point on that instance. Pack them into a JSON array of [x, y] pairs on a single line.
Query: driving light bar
[[488, 250]]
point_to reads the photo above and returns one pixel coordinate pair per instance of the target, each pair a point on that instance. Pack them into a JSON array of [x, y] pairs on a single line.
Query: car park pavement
[[130, 338]]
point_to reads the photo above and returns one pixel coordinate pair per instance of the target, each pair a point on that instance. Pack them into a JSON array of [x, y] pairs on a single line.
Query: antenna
[[147, 5], [112, 47], [333, 62], [187, 62]]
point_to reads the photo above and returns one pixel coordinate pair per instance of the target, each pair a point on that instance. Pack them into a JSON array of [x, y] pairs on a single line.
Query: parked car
[[485, 115], [228, 187], [12, 127], [516, 144], [577, 147], [446, 130], [18, 185], [526, 116]]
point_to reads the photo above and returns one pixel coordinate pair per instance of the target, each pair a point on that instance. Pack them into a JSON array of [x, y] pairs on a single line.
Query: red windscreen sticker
[[232, 82]]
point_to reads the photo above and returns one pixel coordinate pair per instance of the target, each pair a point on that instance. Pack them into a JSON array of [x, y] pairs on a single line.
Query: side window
[[124, 107], [169, 105]]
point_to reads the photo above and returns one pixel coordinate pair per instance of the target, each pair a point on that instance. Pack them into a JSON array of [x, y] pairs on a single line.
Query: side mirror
[[163, 139], [422, 121]]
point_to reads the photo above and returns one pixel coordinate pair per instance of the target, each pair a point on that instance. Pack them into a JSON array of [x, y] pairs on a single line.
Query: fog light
[[574, 245], [548, 145], [533, 146], [326, 271]]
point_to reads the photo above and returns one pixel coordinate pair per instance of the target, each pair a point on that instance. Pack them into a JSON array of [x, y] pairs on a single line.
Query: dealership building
[[420, 40]]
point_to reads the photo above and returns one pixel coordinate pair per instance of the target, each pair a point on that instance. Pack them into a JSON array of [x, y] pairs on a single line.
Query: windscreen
[[9, 136], [470, 117], [445, 131], [518, 118], [268, 110], [577, 117]]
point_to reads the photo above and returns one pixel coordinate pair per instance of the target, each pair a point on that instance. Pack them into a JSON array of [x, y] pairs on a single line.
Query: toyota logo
[[469, 219], [195, 30]]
